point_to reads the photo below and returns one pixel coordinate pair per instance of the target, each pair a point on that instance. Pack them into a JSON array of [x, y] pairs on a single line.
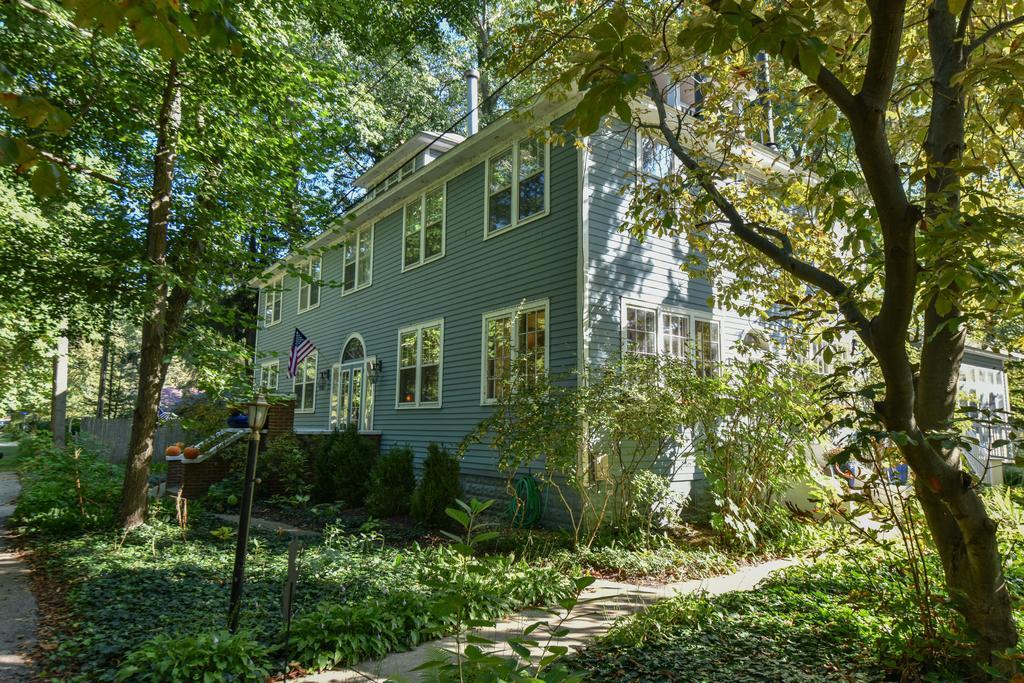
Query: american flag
[[301, 347]]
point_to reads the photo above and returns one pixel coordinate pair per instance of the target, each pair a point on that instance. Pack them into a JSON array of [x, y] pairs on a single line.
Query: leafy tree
[[895, 220]]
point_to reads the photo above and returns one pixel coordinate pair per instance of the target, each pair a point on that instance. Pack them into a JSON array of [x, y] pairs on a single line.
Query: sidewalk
[[17, 605], [609, 600]]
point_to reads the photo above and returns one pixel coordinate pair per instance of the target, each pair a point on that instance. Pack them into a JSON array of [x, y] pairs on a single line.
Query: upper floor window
[[649, 330], [655, 158], [305, 384], [517, 185], [419, 365], [269, 372], [358, 259], [423, 231], [309, 286], [513, 339], [273, 298]]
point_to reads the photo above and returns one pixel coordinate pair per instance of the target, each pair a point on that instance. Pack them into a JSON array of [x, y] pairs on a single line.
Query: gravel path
[[17, 605]]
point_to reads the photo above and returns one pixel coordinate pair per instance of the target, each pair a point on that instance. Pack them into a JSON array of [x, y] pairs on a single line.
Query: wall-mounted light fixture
[[321, 380], [373, 368]]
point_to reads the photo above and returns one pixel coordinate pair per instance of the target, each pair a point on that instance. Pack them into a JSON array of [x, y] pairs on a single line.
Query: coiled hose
[[525, 509]]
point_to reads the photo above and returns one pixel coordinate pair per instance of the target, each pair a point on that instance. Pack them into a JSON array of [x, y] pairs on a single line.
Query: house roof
[[423, 140], [463, 154]]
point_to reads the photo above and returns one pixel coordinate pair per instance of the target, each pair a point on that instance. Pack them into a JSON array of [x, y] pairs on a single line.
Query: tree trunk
[[59, 397], [152, 369]]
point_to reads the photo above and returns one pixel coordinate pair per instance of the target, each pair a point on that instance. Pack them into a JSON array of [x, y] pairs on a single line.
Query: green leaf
[[809, 63]]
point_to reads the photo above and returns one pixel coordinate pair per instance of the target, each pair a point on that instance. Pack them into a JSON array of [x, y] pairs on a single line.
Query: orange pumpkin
[[191, 452], [172, 451]]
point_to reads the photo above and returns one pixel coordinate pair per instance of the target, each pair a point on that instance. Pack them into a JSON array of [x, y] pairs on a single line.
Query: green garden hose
[[525, 509]]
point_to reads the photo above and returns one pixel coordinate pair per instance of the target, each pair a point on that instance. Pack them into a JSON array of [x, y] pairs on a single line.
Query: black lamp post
[[257, 416]]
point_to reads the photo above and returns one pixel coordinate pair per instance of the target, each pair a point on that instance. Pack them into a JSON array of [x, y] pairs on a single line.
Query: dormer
[[409, 157]]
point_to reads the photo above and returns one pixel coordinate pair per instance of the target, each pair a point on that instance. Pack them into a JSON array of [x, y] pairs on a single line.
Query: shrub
[[438, 488], [216, 655], [284, 467], [341, 468], [65, 491], [392, 483], [226, 494]]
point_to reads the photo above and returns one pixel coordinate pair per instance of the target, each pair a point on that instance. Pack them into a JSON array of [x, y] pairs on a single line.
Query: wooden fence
[[113, 436]]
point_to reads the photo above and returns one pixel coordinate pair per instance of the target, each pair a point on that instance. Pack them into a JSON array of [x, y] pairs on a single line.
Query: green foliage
[[342, 635], [848, 618], [284, 466], [655, 506], [226, 494], [64, 491], [392, 483], [755, 442], [438, 488], [208, 656], [341, 468]]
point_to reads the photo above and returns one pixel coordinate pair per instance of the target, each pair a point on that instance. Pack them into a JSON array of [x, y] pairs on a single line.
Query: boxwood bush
[[438, 488], [392, 483]]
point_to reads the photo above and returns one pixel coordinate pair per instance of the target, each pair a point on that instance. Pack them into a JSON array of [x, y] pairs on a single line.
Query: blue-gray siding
[[537, 260]]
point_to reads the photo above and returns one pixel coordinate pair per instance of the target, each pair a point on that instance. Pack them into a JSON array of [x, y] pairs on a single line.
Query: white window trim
[[515, 223], [418, 329], [693, 314], [525, 307], [372, 228], [673, 161], [302, 283], [331, 406], [315, 355], [273, 288], [422, 200], [264, 366]]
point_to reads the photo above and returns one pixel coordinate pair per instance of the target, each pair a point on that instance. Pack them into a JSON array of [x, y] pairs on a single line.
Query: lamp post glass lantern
[[257, 416]]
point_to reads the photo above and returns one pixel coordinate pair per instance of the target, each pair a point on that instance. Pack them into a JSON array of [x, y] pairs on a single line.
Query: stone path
[[17, 605], [607, 601], [268, 525]]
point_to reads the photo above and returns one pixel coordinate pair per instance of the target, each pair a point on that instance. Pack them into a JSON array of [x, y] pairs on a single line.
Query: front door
[[352, 395]]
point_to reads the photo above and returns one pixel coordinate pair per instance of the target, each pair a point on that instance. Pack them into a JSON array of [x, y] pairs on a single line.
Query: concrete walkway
[[17, 605], [606, 602]]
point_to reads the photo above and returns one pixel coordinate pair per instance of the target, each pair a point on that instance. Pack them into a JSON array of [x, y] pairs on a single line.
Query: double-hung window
[[514, 340], [273, 298], [517, 185], [358, 259], [654, 158], [423, 232], [305, 384], [650, 330], [419, 365], [268, 376], [309, 285]]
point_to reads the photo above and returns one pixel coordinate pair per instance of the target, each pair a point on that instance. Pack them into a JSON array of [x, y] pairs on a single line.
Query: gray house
[[467, 253]]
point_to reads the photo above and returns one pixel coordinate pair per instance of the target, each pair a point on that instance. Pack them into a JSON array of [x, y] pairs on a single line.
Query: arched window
[[353, 350]]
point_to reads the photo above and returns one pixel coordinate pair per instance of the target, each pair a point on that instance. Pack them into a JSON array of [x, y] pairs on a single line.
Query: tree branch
[[782, 253], [883, 52], [78, 168], [992, 32]]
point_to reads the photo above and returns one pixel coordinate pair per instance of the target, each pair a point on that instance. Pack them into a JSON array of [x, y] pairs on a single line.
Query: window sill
[[419, 406], [267, 326], [307, 309], [305, 411], [420, 264], [346, 292], [509, 228]]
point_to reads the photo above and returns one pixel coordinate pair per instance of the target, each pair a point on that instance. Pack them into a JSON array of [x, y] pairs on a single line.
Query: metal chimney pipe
[[472, 92]]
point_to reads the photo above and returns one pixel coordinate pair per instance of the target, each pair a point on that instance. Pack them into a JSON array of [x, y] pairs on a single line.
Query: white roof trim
[[425, 139]]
